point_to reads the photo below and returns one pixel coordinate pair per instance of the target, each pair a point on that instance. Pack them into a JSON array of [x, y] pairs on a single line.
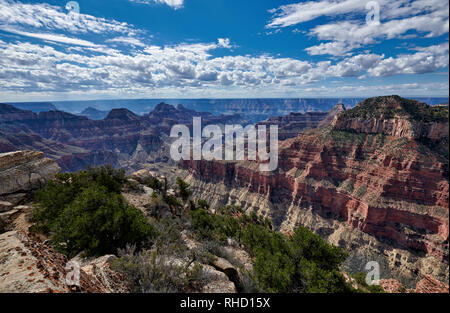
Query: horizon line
[[231, 98]]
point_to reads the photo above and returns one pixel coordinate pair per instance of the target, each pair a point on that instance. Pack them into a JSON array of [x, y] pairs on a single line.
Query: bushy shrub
[[85, 212], [153, 182], [360, 279], [203, 204], [149, 272], [303, 262], [183, 189]]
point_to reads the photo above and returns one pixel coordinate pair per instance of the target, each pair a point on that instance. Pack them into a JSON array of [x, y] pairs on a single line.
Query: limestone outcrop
[[22, 172]]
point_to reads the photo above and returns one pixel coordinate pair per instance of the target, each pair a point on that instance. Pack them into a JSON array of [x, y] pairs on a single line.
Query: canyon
[[372, 179], [121, 139], [378, 189]]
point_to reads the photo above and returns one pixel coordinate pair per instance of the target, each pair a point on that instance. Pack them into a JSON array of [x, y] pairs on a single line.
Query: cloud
[[27, 67], [224, 43], [433, 24], [63, 63], [53, 37], [427, 60], [44, 16], [292, 14], [369, 90], [398, 18], [176, 4], [354, 66], [335, 48], [127, 41]]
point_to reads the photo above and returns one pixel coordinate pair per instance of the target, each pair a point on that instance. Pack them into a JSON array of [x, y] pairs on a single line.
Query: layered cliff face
[[290, 125], [10, 113], [383, 195], [122, 138], [395, 116]]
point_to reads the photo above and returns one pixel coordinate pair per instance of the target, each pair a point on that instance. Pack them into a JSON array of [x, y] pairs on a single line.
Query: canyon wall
[[377, 192], [77, 142], [290, 125]]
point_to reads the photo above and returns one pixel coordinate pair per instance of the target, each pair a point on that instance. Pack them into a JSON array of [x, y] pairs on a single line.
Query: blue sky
[[58, 50]]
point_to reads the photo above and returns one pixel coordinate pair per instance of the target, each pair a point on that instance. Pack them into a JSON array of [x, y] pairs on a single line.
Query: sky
[[107, 49]]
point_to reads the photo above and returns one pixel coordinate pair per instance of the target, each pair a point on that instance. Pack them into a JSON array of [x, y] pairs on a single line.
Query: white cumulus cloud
[[176, 4], [346, 28]]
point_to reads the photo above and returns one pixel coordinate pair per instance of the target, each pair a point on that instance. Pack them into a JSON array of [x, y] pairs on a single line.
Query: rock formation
[[23, 171], [395, 116], [93, 113], [29, 266], [382, 193], [122, 138], [291, 125]]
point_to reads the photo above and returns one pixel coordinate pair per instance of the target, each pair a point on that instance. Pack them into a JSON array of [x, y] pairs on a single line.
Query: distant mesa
[[8, 108], [94, 114], [75, 141], [59, 116], [179, 112], [122, 114], [164, 108], [9, 113]]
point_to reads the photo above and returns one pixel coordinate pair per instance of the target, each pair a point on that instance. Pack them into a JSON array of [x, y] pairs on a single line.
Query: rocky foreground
[[29, 263]]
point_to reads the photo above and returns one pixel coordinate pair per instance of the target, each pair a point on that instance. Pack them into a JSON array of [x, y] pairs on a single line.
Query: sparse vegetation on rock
[[84, 212]]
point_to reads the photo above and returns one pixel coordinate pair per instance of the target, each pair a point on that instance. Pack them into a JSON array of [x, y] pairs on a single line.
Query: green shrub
[[85, 212], [149, 272], [201, 203], [183, 189], [301, 263], [360, 279], [153, 182]]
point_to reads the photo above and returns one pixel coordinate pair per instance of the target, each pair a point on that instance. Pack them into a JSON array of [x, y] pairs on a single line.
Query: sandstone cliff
[[379, 193], [395, 116]]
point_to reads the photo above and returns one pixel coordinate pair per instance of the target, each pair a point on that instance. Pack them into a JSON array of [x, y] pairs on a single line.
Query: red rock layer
[[399, 194], [428, 284]]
